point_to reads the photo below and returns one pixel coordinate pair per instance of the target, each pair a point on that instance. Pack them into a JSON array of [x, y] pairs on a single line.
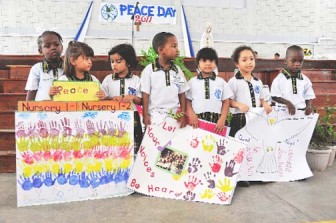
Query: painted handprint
[[240, 156], [90, 127], [48, 179], [37, 181], [84, 181], [21, 131], [221, 147], [208, 143], [31, 131], [225, 186], [73, 178], [121, 129], [111, 128], [217, 164], [223, 197], [54, 129], [207, 194], [190, 196], [229, 168], [67, 130], [194, 165], [194, 142], [209, 177], [192, 182], [26, 183], [101, 128], [79, 129]]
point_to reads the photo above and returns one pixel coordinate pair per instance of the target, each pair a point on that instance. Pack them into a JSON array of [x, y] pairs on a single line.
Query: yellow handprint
[[226, 186], [208, 194], [178, 176], [208, 143]]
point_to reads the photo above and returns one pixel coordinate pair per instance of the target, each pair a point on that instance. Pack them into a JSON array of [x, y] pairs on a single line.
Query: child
[[291, 87], [208, 96], [122, 85], [77, 64], [163, 84], [43, 73]]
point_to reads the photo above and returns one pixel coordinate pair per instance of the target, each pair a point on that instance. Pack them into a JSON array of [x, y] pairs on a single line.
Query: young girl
[[247, 89], [208, 96], [43, 73], [77, 64], [122, 85]]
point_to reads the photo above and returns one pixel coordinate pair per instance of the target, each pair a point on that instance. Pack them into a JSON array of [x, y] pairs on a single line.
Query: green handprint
[[207, 194], [208, 143], [226, 186]]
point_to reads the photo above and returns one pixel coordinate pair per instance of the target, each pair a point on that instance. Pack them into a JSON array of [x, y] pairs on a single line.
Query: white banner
[[122, 12]]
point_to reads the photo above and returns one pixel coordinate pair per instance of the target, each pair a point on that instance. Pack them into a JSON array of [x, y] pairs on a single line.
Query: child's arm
[[193, 119], [290, 106], [53, 90], [182, 100], [308, 109], [133, 98], [242, 107], [221, 121], [31, 95], [145, 103], [267, 107], [101, 95]]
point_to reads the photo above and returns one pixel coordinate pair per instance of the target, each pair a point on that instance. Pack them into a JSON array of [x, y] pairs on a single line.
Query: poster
[[76, 91], [187, 164], [72, 156], [276, 145]]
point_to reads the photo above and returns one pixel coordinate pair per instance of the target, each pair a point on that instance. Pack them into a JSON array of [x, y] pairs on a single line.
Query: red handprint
[[217, 164]]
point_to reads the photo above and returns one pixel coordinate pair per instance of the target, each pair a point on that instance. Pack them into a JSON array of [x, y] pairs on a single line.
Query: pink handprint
[[90, 127], [217, 164], [67, 131], [240, 156], [192, 183], [101, 128], [222, 196], [54, 129], [79, 129], [42, 129]]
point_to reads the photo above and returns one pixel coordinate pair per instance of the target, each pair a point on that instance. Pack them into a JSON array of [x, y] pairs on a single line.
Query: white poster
[[187, 164], [71, 156], [276, 145]]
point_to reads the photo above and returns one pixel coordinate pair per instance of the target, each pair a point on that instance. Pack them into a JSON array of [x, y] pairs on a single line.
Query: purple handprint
[[190, 196], [101, 128], [229, 168], [31, 131], [194, 165], [221, 147], [111, 128], [20, 132], [121, 130], [90, 127], [67, 131], [79, 129], [42, 129], [54, 129], [209, 178]]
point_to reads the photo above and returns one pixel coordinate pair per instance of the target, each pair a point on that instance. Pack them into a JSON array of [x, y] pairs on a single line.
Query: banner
[[276, 145], [187, 164], [76, 90], [72, 156], [122, 12]]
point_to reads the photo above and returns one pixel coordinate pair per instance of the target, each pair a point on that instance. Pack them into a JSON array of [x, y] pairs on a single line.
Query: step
[[19, 71], [7, 140], [318, 75], [12, 85], [4, 74], [7, 119], [7, 162], [8, 101], [323, 100], [324, 86]]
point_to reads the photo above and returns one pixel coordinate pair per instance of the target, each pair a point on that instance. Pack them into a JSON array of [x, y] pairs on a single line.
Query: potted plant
[[318, 154]]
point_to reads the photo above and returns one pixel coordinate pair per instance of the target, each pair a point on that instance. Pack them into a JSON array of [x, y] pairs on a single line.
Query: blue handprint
[[37, 181], [84, 181], [26, 183], [48, 179], [73, 178]]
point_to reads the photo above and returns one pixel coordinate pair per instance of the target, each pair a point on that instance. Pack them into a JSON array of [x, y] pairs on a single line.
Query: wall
[[269, 26]]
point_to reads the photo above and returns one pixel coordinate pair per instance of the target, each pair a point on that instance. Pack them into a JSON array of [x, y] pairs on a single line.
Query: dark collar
[[212, 76], [87, 77], [116, 76], [48, 66], [240, 76], [156, 66], [288, 74]]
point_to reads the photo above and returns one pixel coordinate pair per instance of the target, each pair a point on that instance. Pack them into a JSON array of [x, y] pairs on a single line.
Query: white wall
[[268, 26]]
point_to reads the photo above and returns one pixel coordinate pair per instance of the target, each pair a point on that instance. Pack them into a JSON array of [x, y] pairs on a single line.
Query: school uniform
[[40, 78], [113, 85], [294, 89], [87, 77], [207, 96], [246, 92], [163, 86]]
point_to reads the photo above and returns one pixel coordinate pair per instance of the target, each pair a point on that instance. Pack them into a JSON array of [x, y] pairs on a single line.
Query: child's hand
[[128, 98], [146, 120], [101, 95], [193, 120], [291, 108], [220, 125], [53, 90], [243, 107], [267, 107], [183, 122], [308, 110], [117, 98]]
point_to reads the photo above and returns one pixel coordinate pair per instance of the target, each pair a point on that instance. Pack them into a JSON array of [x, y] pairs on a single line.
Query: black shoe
[[243, 184]]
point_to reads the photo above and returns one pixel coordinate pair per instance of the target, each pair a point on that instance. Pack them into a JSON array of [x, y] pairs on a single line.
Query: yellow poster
[[76, 91]]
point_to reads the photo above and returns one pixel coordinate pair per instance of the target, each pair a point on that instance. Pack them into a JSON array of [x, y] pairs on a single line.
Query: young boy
[[163, 84], [208, 96], [291, 87], [43, 73]]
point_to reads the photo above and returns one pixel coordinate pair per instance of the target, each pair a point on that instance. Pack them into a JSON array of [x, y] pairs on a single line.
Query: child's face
[[51, 47], [294, 61], [246, 62], [82, 63], [206, 66], [170, 49], [118, 64]]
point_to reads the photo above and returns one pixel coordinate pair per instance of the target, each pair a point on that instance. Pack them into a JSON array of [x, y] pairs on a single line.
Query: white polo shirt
[[219, 90], [241, 91], [41, 81], [282, 87], [163, 96], [65, 78], [111, 86]]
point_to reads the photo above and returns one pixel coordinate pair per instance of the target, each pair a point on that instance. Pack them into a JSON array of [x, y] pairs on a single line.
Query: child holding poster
[[291, 87], [124, 86], [77, 64], [163, 84], [43, 73], [208, 96]]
